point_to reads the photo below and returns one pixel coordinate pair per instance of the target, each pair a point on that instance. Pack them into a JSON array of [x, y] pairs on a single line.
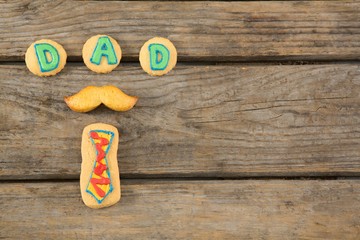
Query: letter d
[[47, 55], [159, 56]]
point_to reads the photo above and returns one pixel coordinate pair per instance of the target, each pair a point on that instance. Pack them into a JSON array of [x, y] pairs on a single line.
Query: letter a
[[104, 48]]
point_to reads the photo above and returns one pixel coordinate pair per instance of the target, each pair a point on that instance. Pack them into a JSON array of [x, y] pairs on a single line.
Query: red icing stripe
[[100, 168], [101, 181]]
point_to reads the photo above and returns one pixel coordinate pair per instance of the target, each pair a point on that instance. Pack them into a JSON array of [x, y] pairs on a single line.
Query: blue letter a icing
[[48, 57], [104, 48], [159, 56]]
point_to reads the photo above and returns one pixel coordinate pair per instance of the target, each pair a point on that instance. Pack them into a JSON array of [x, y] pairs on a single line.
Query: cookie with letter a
[[101, 53], [99, 178]]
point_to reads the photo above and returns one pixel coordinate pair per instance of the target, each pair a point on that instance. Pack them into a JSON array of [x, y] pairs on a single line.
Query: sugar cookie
[[45, 58], [91, 97], [101, 53], [99, 178], [158, 56]]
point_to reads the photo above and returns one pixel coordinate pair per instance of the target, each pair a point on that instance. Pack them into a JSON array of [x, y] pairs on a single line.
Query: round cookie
[[45, 58], [158, 56], [101, 53]]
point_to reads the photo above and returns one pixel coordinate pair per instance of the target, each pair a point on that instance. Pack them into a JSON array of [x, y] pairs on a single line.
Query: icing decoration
[[99, 185], [159, 56], [44, 51], [104, 48]]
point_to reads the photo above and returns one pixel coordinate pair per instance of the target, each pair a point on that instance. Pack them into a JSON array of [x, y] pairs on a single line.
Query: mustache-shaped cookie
[[91, 97]]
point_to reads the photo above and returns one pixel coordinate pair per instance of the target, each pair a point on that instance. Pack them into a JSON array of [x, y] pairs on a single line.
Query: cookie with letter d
[[101, 53], [158, 56], [99, 178], [45, 58]]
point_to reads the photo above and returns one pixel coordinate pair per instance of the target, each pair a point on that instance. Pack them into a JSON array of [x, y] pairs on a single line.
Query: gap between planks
[[273, 62], [152, 178]]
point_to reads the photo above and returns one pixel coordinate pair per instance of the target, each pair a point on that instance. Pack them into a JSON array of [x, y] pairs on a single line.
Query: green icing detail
[[46, 64], [104, 48], [159, 56]]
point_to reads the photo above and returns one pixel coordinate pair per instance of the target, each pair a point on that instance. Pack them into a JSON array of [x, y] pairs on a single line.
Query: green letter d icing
[[105, 48], [47, 63], [159, 56]]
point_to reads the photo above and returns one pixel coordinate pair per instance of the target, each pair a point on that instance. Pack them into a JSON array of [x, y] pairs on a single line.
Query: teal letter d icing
[[159, 56], [47, 63]]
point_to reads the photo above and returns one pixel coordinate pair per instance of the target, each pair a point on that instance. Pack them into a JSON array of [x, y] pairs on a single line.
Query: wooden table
[[254, 135]]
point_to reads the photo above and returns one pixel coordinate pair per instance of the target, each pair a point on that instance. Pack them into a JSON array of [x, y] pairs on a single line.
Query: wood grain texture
[[211, 31], [197, 121], [185, 210]]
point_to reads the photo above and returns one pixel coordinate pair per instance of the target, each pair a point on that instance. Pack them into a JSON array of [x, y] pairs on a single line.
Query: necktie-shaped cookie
[[99, 178]]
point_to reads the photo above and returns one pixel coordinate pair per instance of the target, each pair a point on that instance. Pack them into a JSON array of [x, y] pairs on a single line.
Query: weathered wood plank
[[212, 31], [185, 210], [215, 121]]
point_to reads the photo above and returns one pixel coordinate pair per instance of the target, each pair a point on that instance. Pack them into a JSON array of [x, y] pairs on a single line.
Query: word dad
[[101, 54]]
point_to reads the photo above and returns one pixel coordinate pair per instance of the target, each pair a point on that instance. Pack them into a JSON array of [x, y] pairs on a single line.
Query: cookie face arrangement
[[101, 53], [99, 178], [45, 58], [158, 56]]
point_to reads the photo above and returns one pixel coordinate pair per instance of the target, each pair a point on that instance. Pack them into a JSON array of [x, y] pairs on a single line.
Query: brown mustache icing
[[91, 97]]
